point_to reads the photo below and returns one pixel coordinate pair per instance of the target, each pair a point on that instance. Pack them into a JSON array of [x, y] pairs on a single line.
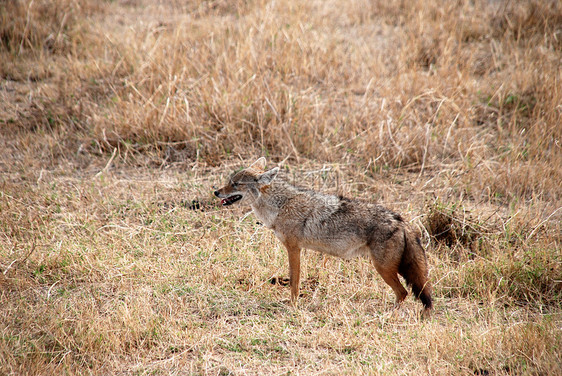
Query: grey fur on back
[[328, 223]]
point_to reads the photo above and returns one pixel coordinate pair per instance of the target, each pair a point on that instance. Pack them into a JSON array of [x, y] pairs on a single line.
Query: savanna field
[[117, 119]]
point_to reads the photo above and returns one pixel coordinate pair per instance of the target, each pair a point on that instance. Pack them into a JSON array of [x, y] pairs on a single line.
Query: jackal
[[335, 225]]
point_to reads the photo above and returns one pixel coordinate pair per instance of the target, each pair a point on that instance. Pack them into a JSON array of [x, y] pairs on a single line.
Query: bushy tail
[[413, 268]]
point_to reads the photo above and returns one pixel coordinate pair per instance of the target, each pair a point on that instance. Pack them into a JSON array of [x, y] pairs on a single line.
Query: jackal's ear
[[268, 176], [258, 165]]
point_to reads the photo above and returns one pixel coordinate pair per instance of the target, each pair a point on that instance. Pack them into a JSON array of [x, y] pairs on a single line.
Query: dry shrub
[[453, 225]]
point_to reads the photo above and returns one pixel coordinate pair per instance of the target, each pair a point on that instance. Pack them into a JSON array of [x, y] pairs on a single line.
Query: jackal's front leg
[[294, 270]]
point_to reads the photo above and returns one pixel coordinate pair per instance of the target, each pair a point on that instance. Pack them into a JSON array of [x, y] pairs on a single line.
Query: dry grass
[[115, 117]]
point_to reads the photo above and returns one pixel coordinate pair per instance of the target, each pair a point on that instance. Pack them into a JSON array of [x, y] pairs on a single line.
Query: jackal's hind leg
[[390, 276]]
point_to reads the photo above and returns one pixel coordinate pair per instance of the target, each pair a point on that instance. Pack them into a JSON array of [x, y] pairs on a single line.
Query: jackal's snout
[[227, 199]]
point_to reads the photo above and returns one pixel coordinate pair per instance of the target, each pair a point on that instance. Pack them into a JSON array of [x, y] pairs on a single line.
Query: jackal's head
[[246, 185]]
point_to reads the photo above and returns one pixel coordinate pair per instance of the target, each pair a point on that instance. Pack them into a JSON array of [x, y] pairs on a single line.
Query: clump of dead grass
[[454, 226]]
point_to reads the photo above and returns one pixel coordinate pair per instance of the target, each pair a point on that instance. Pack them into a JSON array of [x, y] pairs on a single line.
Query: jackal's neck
[[271, 201]]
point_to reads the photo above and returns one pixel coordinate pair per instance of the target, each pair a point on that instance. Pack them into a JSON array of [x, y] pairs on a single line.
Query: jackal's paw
[[426, 313]]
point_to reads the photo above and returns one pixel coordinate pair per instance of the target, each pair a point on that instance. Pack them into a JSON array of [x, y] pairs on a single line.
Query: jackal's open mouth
[[230, 200]]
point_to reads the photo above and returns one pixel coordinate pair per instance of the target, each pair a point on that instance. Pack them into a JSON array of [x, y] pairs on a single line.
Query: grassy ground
[[118, 118]]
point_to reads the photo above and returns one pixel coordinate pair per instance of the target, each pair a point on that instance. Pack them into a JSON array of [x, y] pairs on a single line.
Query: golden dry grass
[[116, 116]]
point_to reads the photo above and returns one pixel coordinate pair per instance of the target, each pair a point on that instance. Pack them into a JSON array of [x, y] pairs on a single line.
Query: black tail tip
[[423, 293], [426, 301]]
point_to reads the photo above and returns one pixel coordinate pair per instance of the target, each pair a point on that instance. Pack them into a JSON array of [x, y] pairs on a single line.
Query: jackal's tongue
[[224, 201]]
